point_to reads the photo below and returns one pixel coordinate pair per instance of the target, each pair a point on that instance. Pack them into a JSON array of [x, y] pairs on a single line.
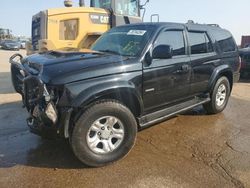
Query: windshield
[[101, 4], [127, 7], [125, 41], [121, 7]]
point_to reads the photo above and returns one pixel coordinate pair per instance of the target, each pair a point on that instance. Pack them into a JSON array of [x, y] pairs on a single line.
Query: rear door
[[203, 60], [167, 81]]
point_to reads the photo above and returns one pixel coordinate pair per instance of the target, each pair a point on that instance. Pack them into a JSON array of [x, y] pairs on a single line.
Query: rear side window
[[227, 45], [225, 41], [199, 43], [173, 38]]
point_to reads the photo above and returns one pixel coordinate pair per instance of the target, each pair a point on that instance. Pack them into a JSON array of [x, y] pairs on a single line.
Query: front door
[[167, 81]]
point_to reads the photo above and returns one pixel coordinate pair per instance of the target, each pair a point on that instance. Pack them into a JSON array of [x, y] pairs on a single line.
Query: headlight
[[46, 94], [51, 112]]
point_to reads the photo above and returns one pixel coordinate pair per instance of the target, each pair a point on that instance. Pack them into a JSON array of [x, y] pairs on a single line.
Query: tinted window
[[199, 43], [227, 45], [225, 41], [174, 39]]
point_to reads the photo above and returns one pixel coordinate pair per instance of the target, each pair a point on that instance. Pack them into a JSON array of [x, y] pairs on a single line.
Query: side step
[[164, 114]]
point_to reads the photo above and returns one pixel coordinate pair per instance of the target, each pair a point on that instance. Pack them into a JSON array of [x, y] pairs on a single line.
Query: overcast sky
[[230, 14]]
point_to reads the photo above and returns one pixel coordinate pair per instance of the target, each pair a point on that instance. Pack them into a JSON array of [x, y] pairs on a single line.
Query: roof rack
[[192, 22], [215, 25]]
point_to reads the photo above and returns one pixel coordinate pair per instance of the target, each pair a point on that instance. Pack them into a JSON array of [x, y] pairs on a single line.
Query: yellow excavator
[[78, 28]]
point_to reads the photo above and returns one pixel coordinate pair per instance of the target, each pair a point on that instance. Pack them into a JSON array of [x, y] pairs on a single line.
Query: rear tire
[[219, 96], [104, 133]]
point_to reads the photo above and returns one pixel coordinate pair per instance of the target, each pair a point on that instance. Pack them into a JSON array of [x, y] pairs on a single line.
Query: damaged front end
[[39, 100], [41, 106]]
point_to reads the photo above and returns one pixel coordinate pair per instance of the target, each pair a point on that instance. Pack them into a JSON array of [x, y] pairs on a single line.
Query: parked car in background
[[1, 42], [10, 45], [22, 44], [245, 62]]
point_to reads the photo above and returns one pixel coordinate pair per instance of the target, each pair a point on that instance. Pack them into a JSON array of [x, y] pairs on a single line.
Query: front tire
[[104, 133], [219, 96]]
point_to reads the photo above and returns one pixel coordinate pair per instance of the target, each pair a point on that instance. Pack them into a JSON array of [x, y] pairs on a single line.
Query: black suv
[[135, 76]]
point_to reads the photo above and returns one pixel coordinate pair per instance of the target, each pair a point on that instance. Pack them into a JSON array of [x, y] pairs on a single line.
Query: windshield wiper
[[110, 51]]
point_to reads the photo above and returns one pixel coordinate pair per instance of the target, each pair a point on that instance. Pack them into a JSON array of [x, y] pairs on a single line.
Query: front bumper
[[44, 127], [39, 128], [44, 116]]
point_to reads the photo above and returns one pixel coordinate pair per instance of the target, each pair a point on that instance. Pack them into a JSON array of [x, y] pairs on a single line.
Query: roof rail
[[215, 25], [190, 22]]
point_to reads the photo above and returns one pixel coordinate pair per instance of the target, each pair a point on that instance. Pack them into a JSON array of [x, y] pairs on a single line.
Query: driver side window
[[175, 39]]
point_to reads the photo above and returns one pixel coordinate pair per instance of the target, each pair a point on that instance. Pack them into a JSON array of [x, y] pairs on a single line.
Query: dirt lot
[[191, 150]]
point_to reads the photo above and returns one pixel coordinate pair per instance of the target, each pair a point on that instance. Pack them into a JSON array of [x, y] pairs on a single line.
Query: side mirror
[[162, 52]]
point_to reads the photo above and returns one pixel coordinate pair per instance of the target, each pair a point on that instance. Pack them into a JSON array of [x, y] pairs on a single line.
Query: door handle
[[184, 68]]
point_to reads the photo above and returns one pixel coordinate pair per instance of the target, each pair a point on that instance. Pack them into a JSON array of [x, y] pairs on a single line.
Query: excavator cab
[[77, 28], [121, 11]]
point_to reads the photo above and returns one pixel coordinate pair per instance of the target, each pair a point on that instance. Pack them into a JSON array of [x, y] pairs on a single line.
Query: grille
[[33, 92]]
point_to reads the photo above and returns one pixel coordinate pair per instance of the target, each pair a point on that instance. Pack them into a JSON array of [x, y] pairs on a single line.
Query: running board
[[164, 114]]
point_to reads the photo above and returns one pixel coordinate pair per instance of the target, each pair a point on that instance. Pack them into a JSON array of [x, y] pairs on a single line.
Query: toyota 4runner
[[135, 76]]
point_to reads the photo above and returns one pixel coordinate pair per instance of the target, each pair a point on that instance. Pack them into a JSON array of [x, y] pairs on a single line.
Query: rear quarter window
[[225, 40]]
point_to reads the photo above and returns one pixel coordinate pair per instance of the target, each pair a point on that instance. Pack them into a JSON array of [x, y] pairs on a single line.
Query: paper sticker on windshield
[[136, 32]]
